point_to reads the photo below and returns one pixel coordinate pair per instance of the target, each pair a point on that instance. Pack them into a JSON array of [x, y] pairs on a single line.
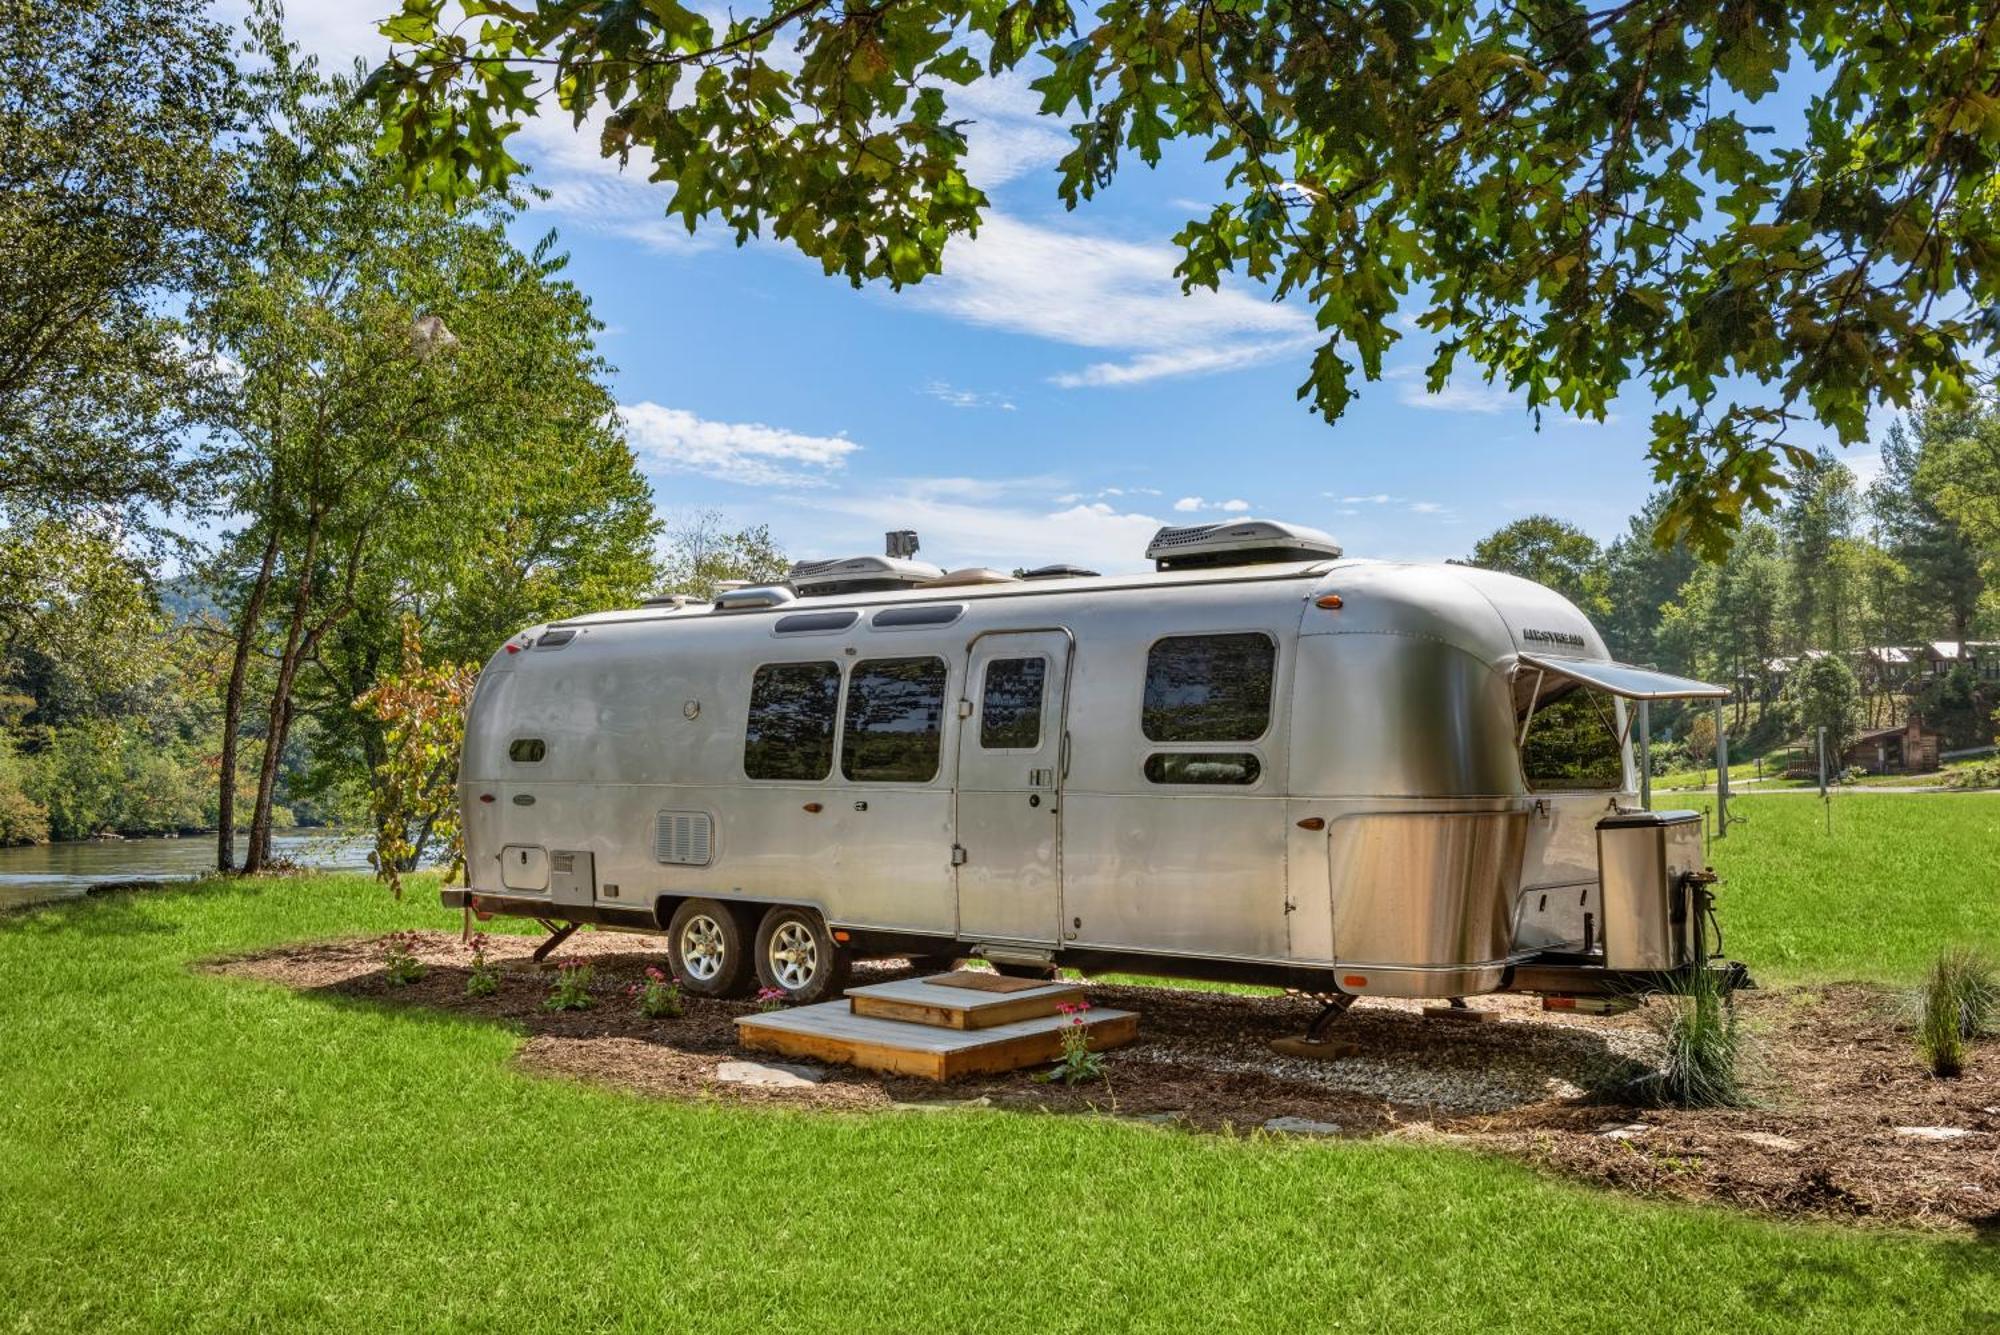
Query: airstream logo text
[[1570, 638]]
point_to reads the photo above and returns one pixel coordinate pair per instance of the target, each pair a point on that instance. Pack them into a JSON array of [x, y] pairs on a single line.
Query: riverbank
[[34, 873]]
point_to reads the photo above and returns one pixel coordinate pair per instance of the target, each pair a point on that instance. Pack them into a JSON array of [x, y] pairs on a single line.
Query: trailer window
[[790, 733], [894, 712], [1573, 741], [1209, 688], [1202, 767], [1010, 711], [526, 750]]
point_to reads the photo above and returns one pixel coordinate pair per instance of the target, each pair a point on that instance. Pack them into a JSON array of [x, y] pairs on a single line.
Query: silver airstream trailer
[[1259, 762]]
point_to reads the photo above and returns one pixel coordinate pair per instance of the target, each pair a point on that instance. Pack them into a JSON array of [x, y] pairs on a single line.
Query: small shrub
[[659, 997], [1077, 1063], [399, 959], [1957, 1004], [1983, 774], [484, 980], [772, 998], [1703, 1047], [571, 989]]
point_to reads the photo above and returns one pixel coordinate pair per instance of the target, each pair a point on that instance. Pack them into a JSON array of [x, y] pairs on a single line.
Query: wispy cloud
[[675, 440], [946, 392], [978, 522], [1090, 291], [1193, 504]]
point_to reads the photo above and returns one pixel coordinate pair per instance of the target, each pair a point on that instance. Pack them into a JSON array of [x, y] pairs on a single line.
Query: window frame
[[1237, 743], [1524, 723], [1256, 759], [839, 709], [945, 714], [539, 757]]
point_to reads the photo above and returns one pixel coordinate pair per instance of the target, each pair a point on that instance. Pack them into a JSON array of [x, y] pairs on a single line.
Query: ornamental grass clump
[[1957, 1004], [659, 997], [484, 980], [1703, 1047], [571, 989], [400, 964]]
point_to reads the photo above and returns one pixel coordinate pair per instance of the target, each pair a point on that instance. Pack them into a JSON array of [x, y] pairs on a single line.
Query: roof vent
[[1059, 572], [860, 574], [973, 575], [675, 601], [1246, 542], [752, 597]]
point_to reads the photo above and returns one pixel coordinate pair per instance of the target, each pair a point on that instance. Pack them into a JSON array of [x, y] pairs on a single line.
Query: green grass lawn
[[1899, 877], [180, 1150]]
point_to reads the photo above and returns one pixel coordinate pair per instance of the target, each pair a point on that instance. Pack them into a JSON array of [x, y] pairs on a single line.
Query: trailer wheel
[[706, 948], [796, 955]]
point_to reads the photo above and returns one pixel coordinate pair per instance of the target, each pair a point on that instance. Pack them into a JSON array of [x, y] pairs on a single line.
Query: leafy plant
[[659, 997], [400, 964], [571, 989], [484, 979], [1077, 1063], [772, 998], [1703, 1047], [1956, 1005], [415, 803]]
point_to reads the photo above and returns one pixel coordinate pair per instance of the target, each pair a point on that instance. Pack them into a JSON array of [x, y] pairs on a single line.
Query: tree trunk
[[259, 852], [232, 708]]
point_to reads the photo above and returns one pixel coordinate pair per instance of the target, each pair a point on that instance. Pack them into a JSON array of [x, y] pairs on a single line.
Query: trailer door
[[1012, 751]]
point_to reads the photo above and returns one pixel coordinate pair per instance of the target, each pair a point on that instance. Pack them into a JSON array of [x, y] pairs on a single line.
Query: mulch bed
[[1832, 1070]]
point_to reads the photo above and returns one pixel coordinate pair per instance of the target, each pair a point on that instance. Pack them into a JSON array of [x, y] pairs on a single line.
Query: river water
[[66, 871]]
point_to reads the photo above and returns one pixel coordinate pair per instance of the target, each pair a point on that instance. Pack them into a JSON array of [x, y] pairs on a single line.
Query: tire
[[706, 948], [796, 955]]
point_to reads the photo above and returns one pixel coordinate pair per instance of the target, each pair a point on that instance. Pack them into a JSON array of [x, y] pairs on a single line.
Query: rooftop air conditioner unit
[[860, 574], [1245, 542]]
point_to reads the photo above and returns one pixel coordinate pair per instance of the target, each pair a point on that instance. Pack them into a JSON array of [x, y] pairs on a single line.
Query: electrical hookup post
[[1825, 793]]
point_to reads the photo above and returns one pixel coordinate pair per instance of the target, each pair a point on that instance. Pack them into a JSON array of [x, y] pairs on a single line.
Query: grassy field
[[179, 1149]]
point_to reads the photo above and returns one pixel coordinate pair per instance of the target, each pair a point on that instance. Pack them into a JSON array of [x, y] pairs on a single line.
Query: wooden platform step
[[832, 1032], [924, 1001]]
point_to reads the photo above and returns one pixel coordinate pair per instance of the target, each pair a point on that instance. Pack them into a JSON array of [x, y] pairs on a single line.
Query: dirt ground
[[1832, 1070]]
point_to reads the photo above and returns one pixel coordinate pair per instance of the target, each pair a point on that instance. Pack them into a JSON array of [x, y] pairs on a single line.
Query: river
[[67, 871]]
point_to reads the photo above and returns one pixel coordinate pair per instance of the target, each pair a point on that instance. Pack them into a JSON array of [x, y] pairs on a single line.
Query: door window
[[790, 732], [1209, 688], [1010, 710], [895, 708]]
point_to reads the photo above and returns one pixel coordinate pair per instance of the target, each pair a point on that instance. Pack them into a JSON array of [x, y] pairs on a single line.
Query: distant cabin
[[1910, 749]]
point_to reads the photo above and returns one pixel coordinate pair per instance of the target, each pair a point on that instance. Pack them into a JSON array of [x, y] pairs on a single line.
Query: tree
[[1960, 469], [421, 708], [395, 360], [1548, 551], [1941, 563], [1641, 577], [113, 196], [1576, 200], [1821, 692], [1818, 528], [702, 552]]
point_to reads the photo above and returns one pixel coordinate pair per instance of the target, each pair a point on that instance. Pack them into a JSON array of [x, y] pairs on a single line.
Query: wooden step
[[921, 1001], [832, 1032]]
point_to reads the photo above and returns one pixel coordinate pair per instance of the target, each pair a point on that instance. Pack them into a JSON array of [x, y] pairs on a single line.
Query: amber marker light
[[486, 797], [1354, 980], [1329, 601], [1313, 823]]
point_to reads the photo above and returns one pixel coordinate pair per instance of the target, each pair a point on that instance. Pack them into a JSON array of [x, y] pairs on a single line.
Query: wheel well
[[746, 913]]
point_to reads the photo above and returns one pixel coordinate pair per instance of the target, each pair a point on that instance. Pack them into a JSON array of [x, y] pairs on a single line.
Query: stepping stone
[[1623, 1131], [1769, 1141], [769, 1075], [1932, 1132], [1302, 1126]]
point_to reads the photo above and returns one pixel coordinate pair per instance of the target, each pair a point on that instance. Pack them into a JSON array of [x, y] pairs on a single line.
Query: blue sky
[[1050, 397]]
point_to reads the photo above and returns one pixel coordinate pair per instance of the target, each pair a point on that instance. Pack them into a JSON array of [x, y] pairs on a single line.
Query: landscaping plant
[[659, 997], [1955, 1006], [485, 978], [771, 998], [571, 990], [1703, 1047], [1077, 1063], [399, 959]]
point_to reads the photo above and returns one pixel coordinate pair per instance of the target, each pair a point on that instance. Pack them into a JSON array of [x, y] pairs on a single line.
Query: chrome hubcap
[[794, 956], [702, 949]]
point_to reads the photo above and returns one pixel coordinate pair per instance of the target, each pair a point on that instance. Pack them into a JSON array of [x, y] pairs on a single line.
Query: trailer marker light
[[513, 648], [841, 937], [1328, 601], [1354, 980], [1313, 823], [813, 808], [486, 797]]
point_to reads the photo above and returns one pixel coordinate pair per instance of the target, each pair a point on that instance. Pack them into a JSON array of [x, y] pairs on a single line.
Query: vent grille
[[684, 838], [562, 863]]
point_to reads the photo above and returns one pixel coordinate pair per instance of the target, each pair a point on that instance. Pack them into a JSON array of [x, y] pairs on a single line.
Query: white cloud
[[1092, 291], [1427, 508], [675, 440], [946, 392], [975, 522], [1189, 504], [1233, 506], [1379, 498]]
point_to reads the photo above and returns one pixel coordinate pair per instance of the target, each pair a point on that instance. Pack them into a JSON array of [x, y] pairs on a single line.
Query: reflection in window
[[894, 709], [526, 750], [790, 734], [1010, 715], [1573, 740], [1202, 767], [1209, 688]]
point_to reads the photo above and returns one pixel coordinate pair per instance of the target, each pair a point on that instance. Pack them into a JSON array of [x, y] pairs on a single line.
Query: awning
[[1622, 679]]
